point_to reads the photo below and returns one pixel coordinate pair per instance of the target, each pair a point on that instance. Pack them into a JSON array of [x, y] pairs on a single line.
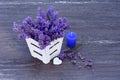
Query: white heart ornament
[[57, 61]]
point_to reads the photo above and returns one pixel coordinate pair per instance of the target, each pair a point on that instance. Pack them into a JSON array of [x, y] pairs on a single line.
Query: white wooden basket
[[48, 53]]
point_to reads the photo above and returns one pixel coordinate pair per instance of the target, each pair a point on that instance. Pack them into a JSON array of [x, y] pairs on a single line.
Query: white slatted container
[[48, 53]]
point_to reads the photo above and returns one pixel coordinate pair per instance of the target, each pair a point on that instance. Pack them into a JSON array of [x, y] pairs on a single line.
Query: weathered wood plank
[[95, 21]]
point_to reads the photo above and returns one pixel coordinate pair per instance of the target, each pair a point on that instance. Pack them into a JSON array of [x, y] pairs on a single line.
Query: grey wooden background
[[97, 23]]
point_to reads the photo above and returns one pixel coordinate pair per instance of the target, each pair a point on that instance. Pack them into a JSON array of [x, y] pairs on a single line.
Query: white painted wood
[[48, 53]]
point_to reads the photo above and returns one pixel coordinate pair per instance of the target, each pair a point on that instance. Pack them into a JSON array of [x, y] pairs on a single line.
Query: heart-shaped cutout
[[57, 61]]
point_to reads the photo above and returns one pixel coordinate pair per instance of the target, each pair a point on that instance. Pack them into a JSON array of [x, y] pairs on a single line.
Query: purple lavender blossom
[[15, 27], [74, 62], [89, 64], [51, 14], [22, 36], [44, 29], [79, 67], [62, 55], [81, 56], [70, 55], [41, 12]]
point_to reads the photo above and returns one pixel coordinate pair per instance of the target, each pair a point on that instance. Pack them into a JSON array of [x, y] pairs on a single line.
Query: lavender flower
[[45, 28], [81, 56], [74, 62], [70, 55], [41, 12], [15, 27], [79, 67], [73, 57], [51, 14], [89, 64], [22, 36], [62, 55]]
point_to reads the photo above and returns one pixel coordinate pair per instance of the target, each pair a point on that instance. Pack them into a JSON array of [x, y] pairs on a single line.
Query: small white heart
[[57, 61]]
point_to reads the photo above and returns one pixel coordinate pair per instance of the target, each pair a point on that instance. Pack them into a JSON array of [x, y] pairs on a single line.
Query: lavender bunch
[[75, 58], [45, 28]]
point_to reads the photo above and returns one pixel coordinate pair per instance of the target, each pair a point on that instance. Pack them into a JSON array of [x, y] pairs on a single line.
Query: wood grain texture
[[97, 23]]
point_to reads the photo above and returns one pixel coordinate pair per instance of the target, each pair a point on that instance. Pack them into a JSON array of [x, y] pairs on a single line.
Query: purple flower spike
[[75, 58], [44, 29], [81, 57], [22, 36], [62, 55], [74, 62], [78, 53], [15, 27], [51, 14], [40, 12], [70, 55], [89, 64], [79, 67]]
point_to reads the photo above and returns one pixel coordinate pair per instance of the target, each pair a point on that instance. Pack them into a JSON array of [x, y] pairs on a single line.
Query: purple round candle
[[71, 39]]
